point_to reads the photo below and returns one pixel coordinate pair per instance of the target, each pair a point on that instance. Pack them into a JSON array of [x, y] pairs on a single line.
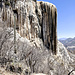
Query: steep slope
[[31, 59], [37, 49], [39, 23]]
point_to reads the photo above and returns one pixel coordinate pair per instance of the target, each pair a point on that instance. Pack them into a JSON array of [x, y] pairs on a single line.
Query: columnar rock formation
[[33, 20], [48, 26], [27, 52]]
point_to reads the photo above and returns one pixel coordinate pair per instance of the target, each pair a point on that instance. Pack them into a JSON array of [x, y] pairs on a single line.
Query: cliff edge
[[28, 40]]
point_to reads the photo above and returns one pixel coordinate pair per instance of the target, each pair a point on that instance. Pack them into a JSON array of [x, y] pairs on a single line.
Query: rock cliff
[[33, 20], [30, 28]]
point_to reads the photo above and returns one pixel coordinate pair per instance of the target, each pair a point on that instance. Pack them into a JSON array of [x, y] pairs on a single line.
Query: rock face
[[30, 28], [48, 24], [33, 20]]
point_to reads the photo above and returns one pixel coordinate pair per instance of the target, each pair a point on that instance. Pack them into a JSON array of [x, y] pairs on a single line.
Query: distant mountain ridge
[[69, 43]]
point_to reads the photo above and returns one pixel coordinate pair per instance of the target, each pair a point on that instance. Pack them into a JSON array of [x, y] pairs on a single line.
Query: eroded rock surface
[[37, 49], [33, 20]]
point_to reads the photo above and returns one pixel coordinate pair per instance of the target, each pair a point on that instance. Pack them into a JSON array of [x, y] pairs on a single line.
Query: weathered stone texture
[[34, 20], [49, 25]]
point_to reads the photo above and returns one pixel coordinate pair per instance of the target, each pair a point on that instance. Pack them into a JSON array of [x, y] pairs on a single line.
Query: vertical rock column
[[53, 10], [49, 26]]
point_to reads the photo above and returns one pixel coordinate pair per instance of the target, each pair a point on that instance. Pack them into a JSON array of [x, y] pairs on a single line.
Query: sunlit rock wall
[[33, 20], [47, 15]]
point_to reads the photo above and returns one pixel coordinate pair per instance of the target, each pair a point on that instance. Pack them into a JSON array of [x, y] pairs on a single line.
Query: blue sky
[[66, 17]]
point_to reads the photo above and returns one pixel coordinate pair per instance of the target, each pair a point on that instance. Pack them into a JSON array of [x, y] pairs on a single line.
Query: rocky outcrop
[[35, 40], [48, 22], [30, 59], [33, 20]]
